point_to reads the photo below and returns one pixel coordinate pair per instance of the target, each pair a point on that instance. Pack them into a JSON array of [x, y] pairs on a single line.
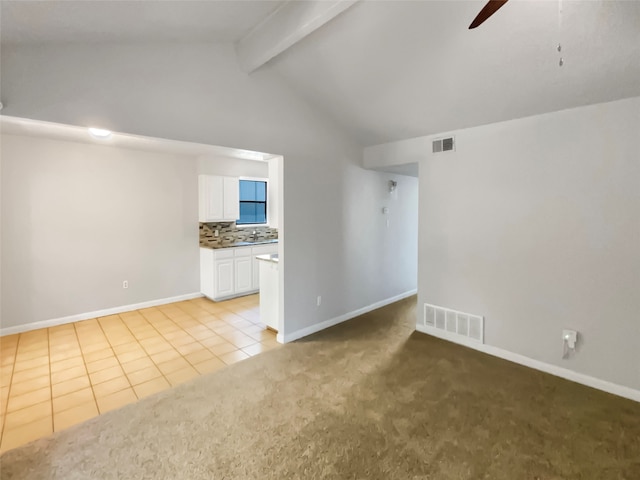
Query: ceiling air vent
[[443, 145]]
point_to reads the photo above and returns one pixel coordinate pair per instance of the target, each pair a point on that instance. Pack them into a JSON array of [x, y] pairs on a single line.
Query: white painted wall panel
[[334, 240], [535, 224], [79, 219]]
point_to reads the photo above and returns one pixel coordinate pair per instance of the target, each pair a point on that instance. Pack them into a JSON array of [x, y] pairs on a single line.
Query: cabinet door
[[207, 273], [224, 278], [231, 198], [260, 250], [244, 279], [255, 282], [211, 197], [269, 298]]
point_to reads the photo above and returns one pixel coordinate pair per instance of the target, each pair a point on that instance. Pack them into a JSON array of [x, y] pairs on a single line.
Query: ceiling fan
[[489, 9], [493, 6]]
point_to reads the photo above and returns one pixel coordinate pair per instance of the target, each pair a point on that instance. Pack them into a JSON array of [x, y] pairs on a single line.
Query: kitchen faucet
[[254, 235]]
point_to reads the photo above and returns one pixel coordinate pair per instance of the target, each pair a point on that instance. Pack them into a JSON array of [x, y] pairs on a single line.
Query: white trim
[[283, 28], [98, 313], [593, 382], [255, 179], [303, 332], [231, 297]]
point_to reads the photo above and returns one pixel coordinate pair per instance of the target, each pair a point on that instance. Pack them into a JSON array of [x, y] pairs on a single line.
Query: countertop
[[241, 244], [273, 257]]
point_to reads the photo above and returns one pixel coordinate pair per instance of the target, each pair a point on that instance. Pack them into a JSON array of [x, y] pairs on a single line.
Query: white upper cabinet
[[211, 194], [231, 201], [219, 198]]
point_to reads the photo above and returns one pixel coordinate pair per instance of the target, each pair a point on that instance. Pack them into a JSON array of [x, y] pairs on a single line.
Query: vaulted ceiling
[[389, 70], [394, 70], [55, 21]]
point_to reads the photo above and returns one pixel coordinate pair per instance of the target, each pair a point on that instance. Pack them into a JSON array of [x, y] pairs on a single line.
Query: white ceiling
[[30, 22], [70, 133], [390, 70]]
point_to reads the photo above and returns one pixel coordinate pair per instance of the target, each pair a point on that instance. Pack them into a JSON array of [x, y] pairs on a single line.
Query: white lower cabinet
[[255, 268], [223, 280], [269, 298], [243, 275], [255, 282], [231, 272]]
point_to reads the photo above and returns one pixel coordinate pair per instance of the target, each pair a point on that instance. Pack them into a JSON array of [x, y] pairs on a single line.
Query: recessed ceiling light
[[99, 132]]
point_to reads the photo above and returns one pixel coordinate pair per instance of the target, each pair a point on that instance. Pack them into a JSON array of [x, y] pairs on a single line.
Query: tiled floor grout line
[[166, 340], [13, 371], [51, 375], [200, 323], [6, 407], [179, 307], [145, 350], [188, 320], [118, 358], [181, 328], [194, 338], [84, 360]]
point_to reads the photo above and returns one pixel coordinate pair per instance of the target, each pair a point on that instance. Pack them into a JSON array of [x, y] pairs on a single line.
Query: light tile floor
[[56, 377]]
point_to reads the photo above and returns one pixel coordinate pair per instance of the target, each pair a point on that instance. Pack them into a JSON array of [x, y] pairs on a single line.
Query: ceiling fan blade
[[489, 9]]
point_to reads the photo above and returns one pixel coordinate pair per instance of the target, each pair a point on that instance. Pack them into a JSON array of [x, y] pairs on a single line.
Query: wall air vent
[[445, 322], [443, 145]]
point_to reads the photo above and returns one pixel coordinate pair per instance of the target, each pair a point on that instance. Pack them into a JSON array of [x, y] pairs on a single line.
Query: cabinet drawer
[[242, 251], [264, 249], [223, 253]]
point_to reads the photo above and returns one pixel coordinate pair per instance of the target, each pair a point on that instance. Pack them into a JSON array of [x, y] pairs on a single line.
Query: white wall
[[196, 92], [396, 154], [274, 196], [231, 167], [78, 219], [535, 224]]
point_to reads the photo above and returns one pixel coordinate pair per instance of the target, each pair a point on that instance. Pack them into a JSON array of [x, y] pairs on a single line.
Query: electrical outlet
[[216, 233], [125, 284], [319, 301]]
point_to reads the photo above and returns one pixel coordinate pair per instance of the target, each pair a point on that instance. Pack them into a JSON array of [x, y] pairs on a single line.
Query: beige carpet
[[368, 399]]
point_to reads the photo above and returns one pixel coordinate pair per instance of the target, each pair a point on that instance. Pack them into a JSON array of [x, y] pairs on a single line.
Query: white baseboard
[[303, 332], [98, 313], [609, 387]]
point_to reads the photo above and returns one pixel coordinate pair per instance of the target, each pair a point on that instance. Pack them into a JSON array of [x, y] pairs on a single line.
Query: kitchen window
[[253, 202]]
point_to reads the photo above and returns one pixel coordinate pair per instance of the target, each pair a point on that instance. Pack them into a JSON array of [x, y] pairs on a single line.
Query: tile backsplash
[[229, 233]]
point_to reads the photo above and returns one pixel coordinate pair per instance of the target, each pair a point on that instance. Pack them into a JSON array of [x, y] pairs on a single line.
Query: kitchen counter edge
[[238, 245]]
